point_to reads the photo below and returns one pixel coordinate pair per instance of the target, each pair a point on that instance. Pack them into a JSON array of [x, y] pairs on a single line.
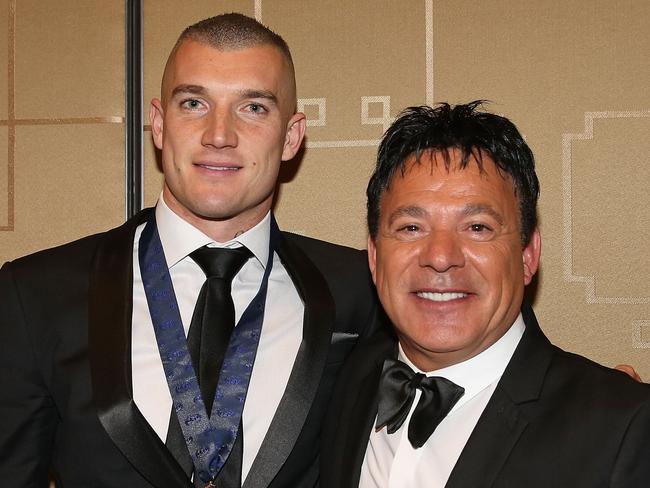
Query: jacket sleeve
[[632, 466], [28, 415]]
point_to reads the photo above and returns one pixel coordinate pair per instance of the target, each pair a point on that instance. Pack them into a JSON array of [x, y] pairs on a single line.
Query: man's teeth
[[219, 168], [440, 297]]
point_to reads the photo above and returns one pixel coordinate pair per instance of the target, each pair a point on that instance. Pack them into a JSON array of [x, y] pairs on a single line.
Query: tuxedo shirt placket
[[433, 462]]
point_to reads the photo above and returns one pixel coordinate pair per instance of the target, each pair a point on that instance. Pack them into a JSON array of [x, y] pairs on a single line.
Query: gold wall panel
[[69, 59], [610, 201], [61, 121], [324, 196], [65, 190], [4, 178], [373, 57], [4, 64]]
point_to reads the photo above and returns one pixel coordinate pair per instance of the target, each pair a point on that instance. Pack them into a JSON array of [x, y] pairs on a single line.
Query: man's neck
[[219, 230]]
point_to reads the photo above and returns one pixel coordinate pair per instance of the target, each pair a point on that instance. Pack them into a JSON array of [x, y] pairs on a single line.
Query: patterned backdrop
[[572, 74]]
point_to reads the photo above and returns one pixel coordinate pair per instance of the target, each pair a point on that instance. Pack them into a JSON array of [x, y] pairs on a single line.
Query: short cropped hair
[[475, 133], [234, 31]]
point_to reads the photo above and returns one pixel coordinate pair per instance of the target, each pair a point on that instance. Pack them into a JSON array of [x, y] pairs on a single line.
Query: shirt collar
[[179, 238], [477, 373]]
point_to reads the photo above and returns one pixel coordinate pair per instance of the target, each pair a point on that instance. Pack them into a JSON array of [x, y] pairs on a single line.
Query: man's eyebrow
[[243, 94], [479, 208], [409, 211], [190, 89], [264, 94]]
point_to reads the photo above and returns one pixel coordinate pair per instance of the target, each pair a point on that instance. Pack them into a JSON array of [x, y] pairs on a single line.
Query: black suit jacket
[[555, 420], [65, 372]]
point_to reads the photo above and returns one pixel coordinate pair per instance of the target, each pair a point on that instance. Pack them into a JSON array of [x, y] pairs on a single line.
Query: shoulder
[[583, 401], [61, 261], [567, 378], [57, 261], [340, 265], [591, 397], [607, 388], [322, 251]]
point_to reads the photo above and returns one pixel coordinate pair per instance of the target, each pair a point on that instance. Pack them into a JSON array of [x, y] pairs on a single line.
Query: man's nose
[[442, 251], [220, 130]]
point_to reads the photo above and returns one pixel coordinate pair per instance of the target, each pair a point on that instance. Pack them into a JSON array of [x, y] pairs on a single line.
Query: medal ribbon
[[209, 439]]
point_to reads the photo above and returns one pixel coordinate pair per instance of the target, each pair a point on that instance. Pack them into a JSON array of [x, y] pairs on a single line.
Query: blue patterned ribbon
[[209, 439]]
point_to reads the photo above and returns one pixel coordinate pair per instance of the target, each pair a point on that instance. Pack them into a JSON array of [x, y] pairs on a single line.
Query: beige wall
[[573, 75], [61, 121]]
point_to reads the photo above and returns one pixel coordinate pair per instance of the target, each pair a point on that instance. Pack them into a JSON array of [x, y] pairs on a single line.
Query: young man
[[470, 393], [93, 352]]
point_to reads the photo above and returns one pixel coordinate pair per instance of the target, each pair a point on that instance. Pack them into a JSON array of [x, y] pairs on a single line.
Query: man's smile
[[441, 296], [218, 166]]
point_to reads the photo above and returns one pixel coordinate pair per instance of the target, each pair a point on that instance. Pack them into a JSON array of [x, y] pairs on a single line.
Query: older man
[[470, 393], [93, 349]]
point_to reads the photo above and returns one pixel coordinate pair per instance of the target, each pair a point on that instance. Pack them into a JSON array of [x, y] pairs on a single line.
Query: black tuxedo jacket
[[555, 420], [65, 371]]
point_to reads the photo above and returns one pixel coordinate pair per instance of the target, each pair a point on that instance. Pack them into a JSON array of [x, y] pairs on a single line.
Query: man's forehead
[[189, 53], [196, 48]]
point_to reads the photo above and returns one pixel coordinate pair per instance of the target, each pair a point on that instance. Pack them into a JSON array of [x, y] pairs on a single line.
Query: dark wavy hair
[[475, 133]]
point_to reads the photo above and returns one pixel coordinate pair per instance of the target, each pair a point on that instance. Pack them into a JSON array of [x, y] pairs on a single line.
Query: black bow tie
[[397, 391]]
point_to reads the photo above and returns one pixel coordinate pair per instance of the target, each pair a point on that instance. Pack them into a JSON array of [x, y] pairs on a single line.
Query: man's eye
[[256, 108], [407, 232], [409, 228], [191, 104], [479, 228]]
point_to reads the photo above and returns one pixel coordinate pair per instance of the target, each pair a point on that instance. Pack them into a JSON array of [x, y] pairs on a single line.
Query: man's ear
[[156, 116], [531, 254], [372, 258], [295, 133]]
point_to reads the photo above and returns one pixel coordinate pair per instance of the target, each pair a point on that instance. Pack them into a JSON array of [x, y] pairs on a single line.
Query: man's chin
[[433, 356]]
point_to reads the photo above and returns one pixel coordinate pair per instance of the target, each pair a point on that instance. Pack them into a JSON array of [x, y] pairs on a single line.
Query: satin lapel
[[110, 308], [504, 420], [358, 425], [489, 445], [302, 385]]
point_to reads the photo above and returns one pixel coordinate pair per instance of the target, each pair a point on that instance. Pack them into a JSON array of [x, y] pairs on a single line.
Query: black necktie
[[212, 323], [214, 315], [397, 392]]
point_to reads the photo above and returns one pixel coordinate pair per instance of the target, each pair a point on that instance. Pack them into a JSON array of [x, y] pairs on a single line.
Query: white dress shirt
[[391, 461], [279, 341]]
